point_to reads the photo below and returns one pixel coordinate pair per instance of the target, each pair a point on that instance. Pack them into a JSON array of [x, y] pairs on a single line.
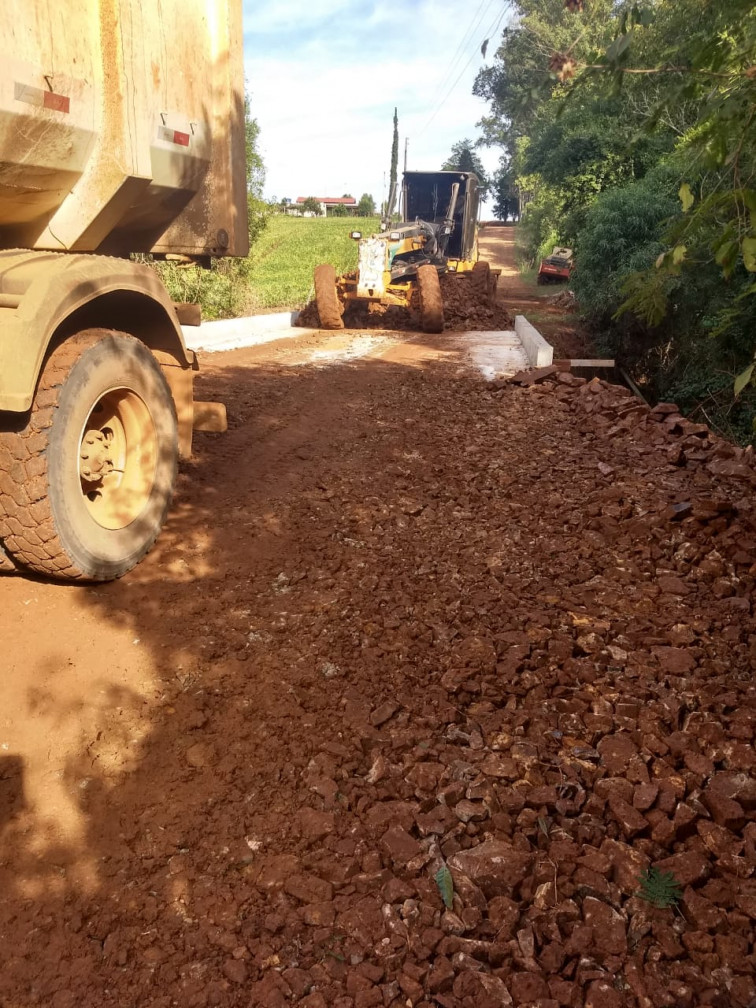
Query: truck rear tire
[[431, 301], [327, 298], [6, 564], [87, 481]]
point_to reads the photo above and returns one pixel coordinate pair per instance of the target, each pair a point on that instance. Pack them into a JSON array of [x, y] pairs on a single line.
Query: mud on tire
[[87, 477], [327, 298], [480, 281], [431, 299]]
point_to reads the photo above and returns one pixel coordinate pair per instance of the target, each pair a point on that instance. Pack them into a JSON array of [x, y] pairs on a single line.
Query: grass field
[[284, 257], [278, 272]]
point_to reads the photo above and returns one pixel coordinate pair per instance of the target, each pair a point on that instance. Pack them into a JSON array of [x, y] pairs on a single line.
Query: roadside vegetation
[[629, 133], [282, 261], [277, 274]]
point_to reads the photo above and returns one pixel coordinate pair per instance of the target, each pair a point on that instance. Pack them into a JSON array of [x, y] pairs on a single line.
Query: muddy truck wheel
[[480, 281], [6, 564], [88, 475], [431, 301], [327, 298]]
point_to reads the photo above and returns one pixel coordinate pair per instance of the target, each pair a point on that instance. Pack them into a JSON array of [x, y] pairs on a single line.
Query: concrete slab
[[496, 354], [232, 334]]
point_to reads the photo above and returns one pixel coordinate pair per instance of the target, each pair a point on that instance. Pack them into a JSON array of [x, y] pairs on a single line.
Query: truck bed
[[121, 126]]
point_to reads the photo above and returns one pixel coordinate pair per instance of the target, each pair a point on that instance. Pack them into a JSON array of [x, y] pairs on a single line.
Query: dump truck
[[121, 132], [437, 234]]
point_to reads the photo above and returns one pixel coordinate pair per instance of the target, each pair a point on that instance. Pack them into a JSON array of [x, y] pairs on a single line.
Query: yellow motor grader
[[437, 234]]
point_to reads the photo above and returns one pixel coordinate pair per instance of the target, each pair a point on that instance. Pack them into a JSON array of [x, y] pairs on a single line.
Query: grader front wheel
[[88, 480], [327, 298], [431, 300], [480, 281]]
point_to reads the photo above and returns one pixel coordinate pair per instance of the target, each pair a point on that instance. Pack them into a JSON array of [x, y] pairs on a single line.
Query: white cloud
[[324, 79]]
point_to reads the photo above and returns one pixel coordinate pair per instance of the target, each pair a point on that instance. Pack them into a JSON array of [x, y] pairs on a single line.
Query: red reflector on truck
[[173, 136], [37, 96], [59, 102]]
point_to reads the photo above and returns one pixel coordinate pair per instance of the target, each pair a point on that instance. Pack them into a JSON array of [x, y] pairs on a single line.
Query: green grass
[[529, 275], [283, 259], [277, 274]]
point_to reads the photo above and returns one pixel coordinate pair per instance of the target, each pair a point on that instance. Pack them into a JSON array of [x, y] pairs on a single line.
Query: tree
[[463, 158], [505, 191], [394, 152], [386, 210], [366, 206], [312, 205], [258, 210]]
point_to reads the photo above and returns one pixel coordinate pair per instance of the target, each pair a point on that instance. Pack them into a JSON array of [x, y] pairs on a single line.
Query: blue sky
[[324, 78]]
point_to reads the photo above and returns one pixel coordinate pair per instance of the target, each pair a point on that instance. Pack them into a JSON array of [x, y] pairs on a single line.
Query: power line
[[481, 12], [491, 31]]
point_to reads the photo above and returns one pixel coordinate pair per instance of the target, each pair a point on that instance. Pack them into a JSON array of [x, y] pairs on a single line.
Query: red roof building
[[331, 201]]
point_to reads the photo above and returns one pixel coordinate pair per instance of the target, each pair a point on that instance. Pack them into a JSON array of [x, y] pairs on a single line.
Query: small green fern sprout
[[445, 883], [660, 889]]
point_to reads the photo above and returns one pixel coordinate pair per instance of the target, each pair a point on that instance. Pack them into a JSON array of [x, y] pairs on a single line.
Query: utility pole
[[406, 145]]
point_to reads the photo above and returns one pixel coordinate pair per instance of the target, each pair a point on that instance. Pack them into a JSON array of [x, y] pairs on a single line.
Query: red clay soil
[[400, 621]]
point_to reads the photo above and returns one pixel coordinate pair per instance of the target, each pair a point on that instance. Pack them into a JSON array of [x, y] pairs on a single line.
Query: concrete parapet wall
[[231, 334], [539, 352]]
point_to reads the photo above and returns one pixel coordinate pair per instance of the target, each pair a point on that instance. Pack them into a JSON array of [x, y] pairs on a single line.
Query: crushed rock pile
[[515, 638], [564, 299], [465, 310]]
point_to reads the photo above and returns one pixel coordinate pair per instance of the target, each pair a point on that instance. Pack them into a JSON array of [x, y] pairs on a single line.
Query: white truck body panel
[[122, 126]]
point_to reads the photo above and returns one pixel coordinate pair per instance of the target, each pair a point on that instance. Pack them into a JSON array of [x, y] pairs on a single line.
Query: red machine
[[556, 267]]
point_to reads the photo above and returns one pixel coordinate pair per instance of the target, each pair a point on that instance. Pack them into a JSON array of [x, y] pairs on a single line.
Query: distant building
[[329, 202]]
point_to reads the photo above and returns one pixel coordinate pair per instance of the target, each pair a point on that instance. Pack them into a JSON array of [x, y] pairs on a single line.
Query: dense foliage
[[629, 133]]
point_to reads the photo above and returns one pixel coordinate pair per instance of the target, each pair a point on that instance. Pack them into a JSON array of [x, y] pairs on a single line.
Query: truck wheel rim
[[117, 458]]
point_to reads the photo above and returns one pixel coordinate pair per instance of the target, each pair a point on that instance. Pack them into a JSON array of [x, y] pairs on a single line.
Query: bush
[[538, 230], [622, 234], [693, 353], [221, 290], [258, 214]]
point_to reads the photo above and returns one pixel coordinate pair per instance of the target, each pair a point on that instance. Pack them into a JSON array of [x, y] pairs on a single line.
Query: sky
[[324, 77]]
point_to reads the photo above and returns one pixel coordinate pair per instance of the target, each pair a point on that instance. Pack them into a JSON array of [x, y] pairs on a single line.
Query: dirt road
[[563, 330], [400, 618]]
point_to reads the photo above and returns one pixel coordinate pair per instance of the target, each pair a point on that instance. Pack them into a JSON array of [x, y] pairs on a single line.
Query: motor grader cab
[[436, 234]]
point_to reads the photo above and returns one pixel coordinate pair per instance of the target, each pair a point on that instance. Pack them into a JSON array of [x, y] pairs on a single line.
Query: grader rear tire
[[431, 300], [86, 483], [327, 298]]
